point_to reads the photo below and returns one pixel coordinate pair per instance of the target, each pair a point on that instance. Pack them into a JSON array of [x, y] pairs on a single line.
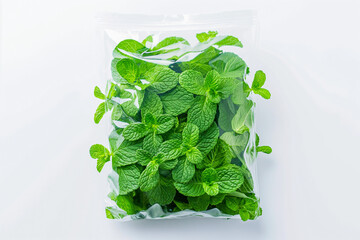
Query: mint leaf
[[240, 93], [194, 155], [128, 70], [98, 93], [229, 179], [200, 203], [152, 143], [148, 40], [219, 155], [226, 113], [171, 149], [143, 157], [193, 188], [202, 113], [190, 135], [163, 193], [101, 153], [193, 82], [151, 104], [243, 118], [169, 164], [128, 179], [229, 65], [235, 141], [263, 92], [164, 124], [217, 199], [125, 154], [126, 203], [211, 189], [177, 101], [100, 111], [170, 41], [127, 47], [208, 139], [135, 131], [259, 80], [203, 37], [184, 171], [150, 177], [264, 149], [162, 79], [229, 41]]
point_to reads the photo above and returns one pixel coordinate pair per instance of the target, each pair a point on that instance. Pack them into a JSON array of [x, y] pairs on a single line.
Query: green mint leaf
[[243, 118], [240, 93], [194, 188], [194, 155], [143, 157], [162, 79], [98, 93], [233, 203], [220, 155], [151, 104], [164, 124], [148, 40], [126, 203], [227, 111], [206, 56], [259, 80], [209, 176], [135, 131], [99, 113], [229, 41], [263, 92], [128, 47], [128, 179], [177, 101], [211, 189], [163, 193], [130, 99], [193, 82], [170, 41], [264, 149], [190, 135], [125, 154], [200, 203], [229, 179], [184, 171], [217, 199], [128, 70], [203, 37], [202, 113], [257, 140], [212, 82], [149, 120], [171, 149], [101, 153], [229, 65], [115, 139], [182, 206], [150, 177], [152, 143], [169, 164], [236, 142], [208, 139]]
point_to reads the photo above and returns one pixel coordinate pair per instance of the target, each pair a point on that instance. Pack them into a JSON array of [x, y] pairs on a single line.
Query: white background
[[49, 188]]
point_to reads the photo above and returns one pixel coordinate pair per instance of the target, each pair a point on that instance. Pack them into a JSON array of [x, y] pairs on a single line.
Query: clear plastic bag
[[182, 139]]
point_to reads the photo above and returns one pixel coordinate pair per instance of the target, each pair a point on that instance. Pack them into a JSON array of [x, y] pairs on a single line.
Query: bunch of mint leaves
[[182, 121]]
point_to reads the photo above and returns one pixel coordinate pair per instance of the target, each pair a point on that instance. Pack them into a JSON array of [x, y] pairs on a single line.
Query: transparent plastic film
[[182, 140]]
